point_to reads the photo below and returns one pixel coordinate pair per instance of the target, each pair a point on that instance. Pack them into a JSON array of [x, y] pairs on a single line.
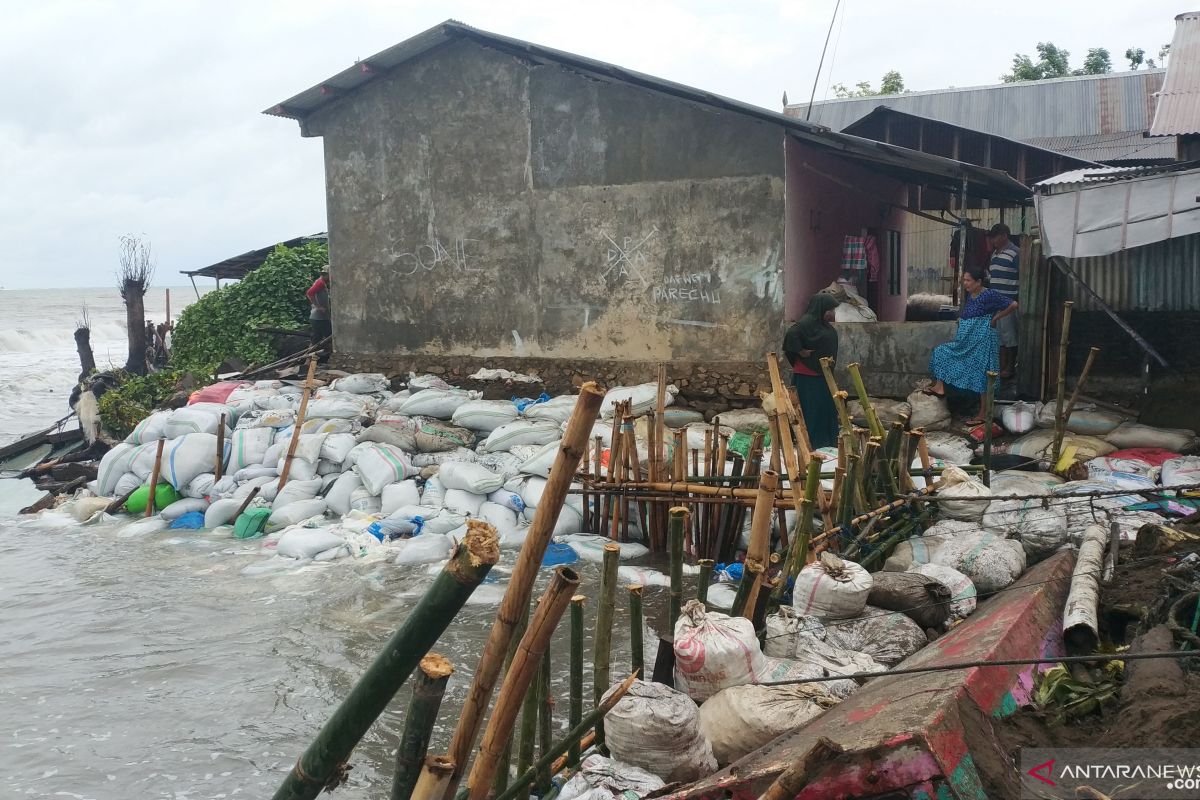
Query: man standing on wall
[[1003, 272], [318, 317]]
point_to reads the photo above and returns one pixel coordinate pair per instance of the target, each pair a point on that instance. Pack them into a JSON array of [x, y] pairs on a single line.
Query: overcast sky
[[144, 117]]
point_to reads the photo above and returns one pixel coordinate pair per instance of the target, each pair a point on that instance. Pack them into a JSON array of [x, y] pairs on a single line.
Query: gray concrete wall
[[893, 355], [480, 205]]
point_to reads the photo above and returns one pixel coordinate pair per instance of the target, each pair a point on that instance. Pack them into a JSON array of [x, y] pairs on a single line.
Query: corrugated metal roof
[[1124, 146], [908, 164], [1109, 174], [238, 267], [1081, 105], [1179, 101], [1164, 276]]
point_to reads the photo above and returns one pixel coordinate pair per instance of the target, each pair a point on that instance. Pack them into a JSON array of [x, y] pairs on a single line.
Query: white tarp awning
[[1094, 219]]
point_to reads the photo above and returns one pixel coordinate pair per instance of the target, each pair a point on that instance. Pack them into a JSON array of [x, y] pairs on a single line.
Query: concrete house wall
[[483, 205]]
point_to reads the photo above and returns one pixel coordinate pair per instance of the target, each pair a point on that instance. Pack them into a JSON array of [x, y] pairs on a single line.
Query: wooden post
[[636, 642], [435, 777], [606, 606], [220, 465], [154, 478], [433, 674], [291, 451], [675, 546], [1083, 376], [988, 412], [520, 584], [1060, 424], [575, 713], [755, 565], [525, 666], [705, 578]]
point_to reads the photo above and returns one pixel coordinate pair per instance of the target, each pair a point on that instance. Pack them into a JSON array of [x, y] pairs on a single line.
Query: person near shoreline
[[965, 362], [809, 340], [1004, 278], [319, 317]]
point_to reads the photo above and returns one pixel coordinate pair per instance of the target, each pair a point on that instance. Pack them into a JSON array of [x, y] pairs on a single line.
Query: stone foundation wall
[[711, 387]]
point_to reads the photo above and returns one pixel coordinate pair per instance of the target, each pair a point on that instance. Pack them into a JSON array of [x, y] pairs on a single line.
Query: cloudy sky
[[144, 117]]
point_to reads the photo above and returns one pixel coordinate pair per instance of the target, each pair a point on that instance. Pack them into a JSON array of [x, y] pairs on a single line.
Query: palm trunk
[[87, 360], [135, 321]]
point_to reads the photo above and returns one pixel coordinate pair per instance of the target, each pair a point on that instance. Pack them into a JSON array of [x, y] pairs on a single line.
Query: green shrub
[[138, 397], [223, 324]]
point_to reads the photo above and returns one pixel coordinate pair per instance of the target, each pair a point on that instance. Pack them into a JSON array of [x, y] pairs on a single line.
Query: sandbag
[[275, 418], [433, 494], [962, 497], [924, 548], [928, 412], [463, 502], [426, 381], [1098, 472], [745, 420], [423, 460], [540, 461], [741, 719], [1017, 483], [484, 416], [150, 429], [113, 465], [657, 728], [469, 478], [714, 651], [329, 426], [200, 418], [221, 512], [889, 637], [248, 447], [306, 542], [949, 447], [694, 435], [831, 588], [363, 501], [362, 383], [183, 506], [126, 484], [522, 431], [340, 406], [381, 464], [397, 495], [1039, 445], [434, 436], [508, 499], [436, 403], [1124, 465], [991, 561], [504, 520], [295, 513], [1086, 420], [1041, 530], [338, 496], [557, 409], [921, 598], [803, 639], [888, 411], [962, 590], [644, 398], [1018, 418], [1183, 471], [394, 429], [531, 492], [164, 495], [293, 491], [590, 547], [600, 778], [189, 456], [426, 548], [336, 447]]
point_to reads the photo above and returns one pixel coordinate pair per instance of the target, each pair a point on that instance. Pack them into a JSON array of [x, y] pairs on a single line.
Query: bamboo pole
[[435, 777], [752, 575], [527, 733], [573, 737], [154, 479], [606, 607], [839, 401], [797, 555], [989, 410], [575, 714], [675, 546], [705, 578], [433, 673], [219, 467], [525, 666], [503, 768], [755, 565], [1060, 423], [873, 423], [520, 585], [286, 472], [636, 638], [545, 716], [1083, 376], [322, 764], [601, 507]]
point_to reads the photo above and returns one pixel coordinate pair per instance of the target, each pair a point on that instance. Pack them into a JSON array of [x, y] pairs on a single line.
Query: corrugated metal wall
[[1159, 277], [928, 245]]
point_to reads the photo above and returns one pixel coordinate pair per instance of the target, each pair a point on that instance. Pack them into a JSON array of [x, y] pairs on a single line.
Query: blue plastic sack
[[192, 521], [732, 572], [523, 403], [557, 554]]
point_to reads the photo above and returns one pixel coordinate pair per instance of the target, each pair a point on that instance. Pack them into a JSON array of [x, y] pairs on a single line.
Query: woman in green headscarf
[[806, 343]]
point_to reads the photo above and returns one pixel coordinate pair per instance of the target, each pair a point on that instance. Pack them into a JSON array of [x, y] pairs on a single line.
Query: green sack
[[251, 523], [164, 495], [740, 443]]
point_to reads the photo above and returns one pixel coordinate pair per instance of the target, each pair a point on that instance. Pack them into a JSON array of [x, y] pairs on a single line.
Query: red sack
[[1154, 456], [217, 393]]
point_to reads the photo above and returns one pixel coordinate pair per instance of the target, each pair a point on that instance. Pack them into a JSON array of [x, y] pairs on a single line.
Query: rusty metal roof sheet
[[238, 267], [1111, 147], [1179, 100]]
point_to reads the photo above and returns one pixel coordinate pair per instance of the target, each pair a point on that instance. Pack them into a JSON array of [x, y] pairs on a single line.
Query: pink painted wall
[[821, 211]]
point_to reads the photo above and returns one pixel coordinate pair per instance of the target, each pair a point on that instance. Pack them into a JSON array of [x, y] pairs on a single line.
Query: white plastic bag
[[831, 588], [962, 497], [714, 651], [657, 728], [469, 478]]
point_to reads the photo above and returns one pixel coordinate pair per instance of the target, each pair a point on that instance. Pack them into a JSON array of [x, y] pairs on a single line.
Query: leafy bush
[[223, 323], [137, 397]]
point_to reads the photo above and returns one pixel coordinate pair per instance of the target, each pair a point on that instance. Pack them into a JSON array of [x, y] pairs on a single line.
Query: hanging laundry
[[872, 253], [854, 253]]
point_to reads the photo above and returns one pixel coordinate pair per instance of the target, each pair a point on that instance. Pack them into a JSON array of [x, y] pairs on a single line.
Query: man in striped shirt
[[1003, 274]]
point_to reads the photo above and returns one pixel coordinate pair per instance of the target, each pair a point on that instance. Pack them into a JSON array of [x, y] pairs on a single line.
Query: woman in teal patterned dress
[[975, 351]]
